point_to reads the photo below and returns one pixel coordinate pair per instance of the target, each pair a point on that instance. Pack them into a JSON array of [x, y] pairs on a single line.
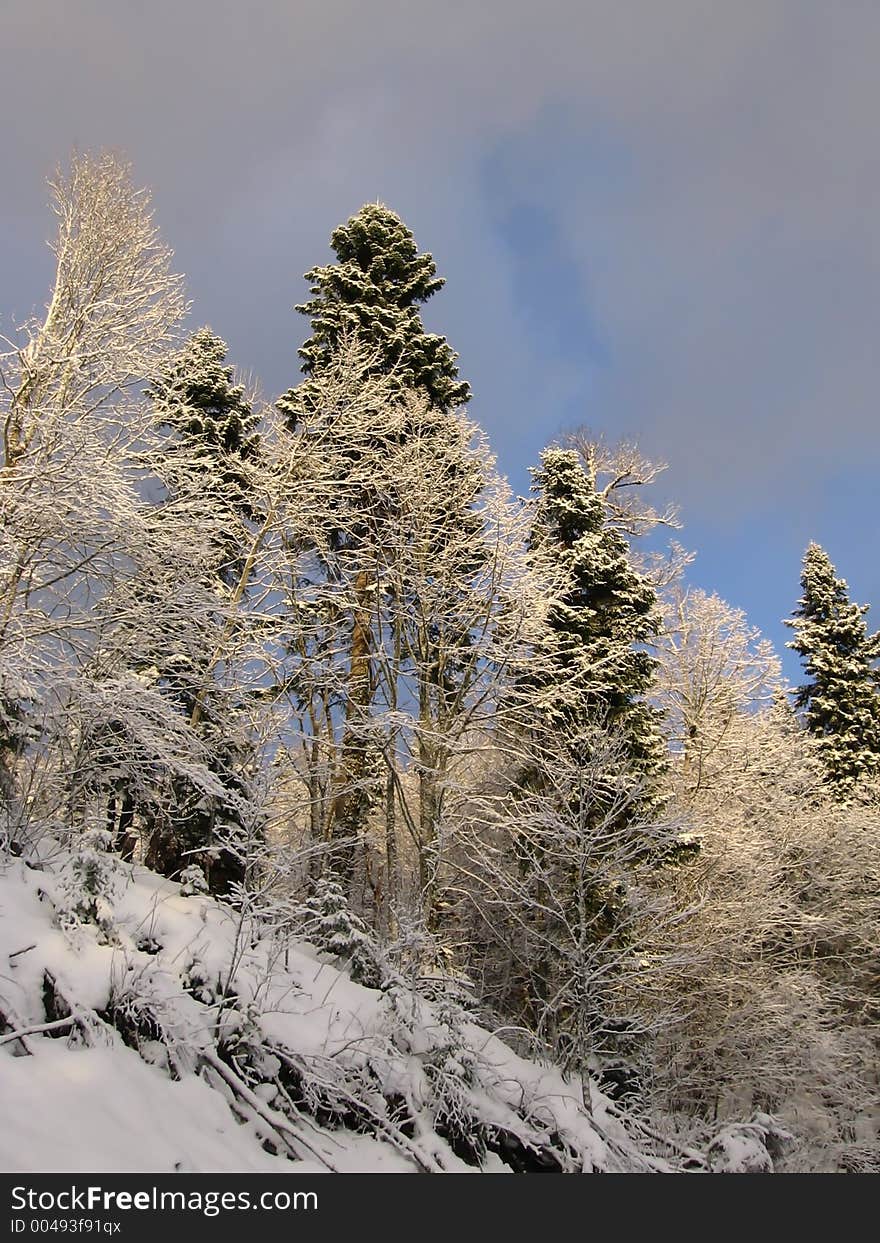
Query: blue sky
[[661, 220]]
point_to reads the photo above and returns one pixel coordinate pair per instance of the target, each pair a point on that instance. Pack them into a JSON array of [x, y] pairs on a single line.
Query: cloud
[[707, 174]]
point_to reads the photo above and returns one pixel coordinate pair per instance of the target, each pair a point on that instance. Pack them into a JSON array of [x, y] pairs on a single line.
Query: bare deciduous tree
[[619, 473], [713, 667]]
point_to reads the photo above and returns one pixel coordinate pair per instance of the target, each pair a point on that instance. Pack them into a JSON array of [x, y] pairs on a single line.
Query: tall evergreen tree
[[372, 293], [840, 702], [213, 439], [596, 671], [588, 794], [214, 429], [369, 299]]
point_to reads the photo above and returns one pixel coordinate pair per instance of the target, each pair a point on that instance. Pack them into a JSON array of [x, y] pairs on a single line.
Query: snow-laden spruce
[[841, 701], [372, 294], [599, 624]]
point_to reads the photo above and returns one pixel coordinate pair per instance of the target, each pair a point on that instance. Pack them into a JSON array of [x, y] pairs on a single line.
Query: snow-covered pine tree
[[595, 672], [840, 702], [14, 729], [215, 432], [213, 442], [372, 293], [332, 926], [582, 715], [366, 305], [561, 901]]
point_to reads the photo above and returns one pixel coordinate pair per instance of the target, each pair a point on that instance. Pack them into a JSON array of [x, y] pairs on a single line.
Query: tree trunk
[[352, 801]]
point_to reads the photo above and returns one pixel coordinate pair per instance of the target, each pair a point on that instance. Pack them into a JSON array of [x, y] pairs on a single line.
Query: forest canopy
[[313, 658]]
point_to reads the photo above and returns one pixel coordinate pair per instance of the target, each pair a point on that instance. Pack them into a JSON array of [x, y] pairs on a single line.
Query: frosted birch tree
[[712, 668], [771, 972]]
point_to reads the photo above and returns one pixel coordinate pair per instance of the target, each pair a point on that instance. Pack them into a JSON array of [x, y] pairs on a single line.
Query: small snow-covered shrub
[[196, 980], [90, 882], [748, 1147], [146, 1009], [333, 927], [192, 881]]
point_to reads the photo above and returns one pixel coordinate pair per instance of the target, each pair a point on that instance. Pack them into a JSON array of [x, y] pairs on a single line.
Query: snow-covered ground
[[188, 1038]]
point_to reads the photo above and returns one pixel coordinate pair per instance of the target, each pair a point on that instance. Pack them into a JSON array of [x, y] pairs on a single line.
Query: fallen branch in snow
[[426, 1161], [691, 1154], [26, 950], [60, 1010], [10, 1020], [397, 1083], [37, 1028], [279, 1125]]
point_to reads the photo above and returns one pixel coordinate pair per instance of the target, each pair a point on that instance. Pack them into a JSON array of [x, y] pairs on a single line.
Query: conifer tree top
[[607, 596], [841, 701], [372, 293], [198, 397], [599, 671], [376, 244], [825, 613]]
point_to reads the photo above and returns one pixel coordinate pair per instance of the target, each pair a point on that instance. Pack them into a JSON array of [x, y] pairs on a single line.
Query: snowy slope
[[189, 1038]]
